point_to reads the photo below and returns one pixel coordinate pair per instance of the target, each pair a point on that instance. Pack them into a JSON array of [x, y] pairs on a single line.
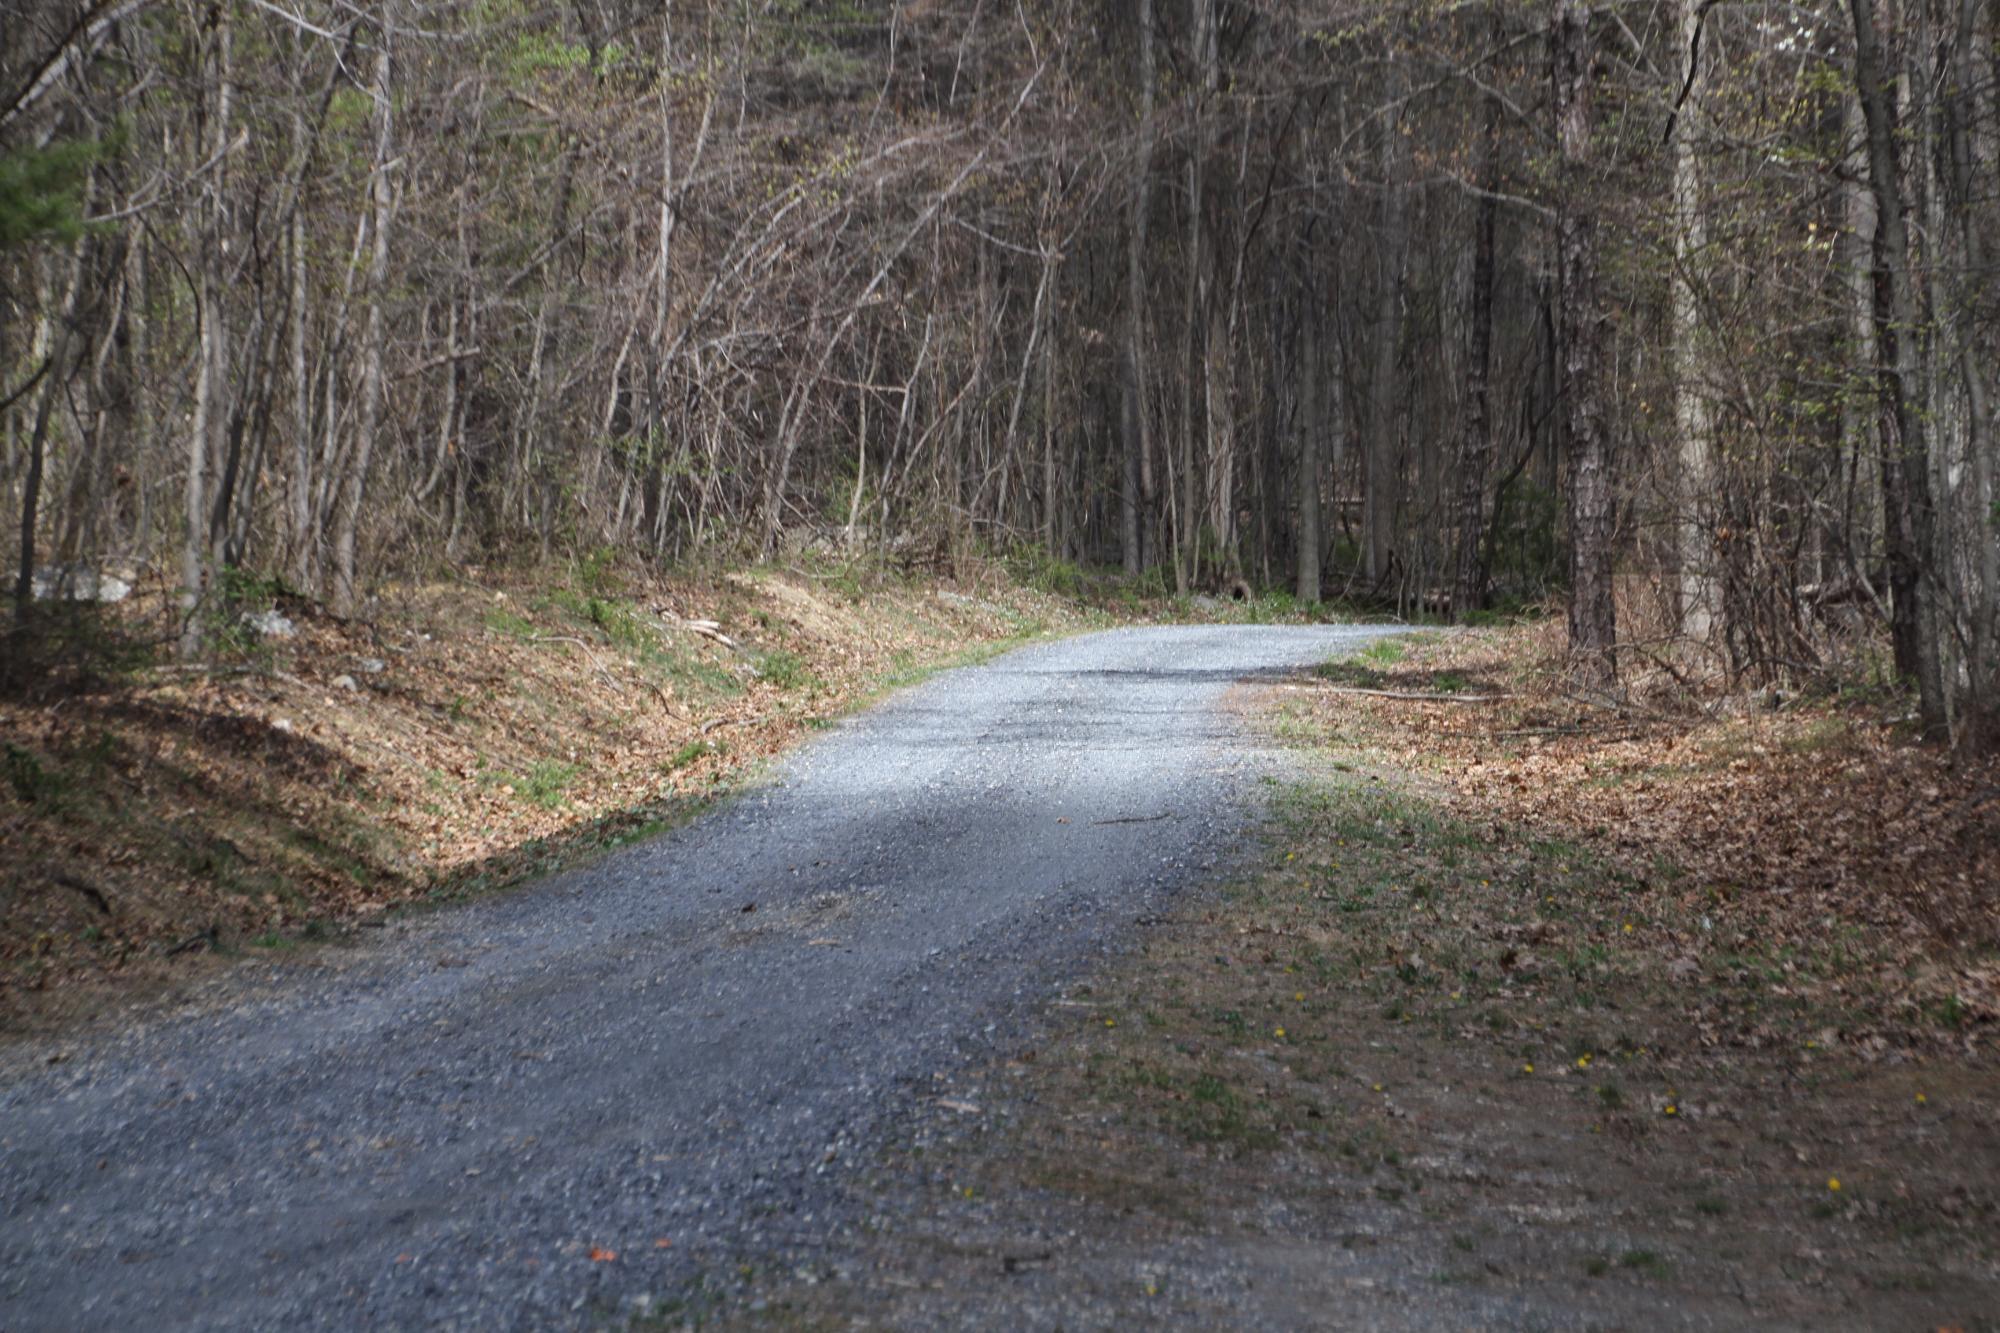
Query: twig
[[666, 704], [610, 679], [220, 669], [204, 669], [1136, 819], [1415, 696], [204, 940], [1613, 705], [86, 888], [708, 629]]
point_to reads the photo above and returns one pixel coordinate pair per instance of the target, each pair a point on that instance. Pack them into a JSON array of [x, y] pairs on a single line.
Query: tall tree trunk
[[1860, 452], [1220, 364], [1695, 553], [1592, 493], [211, 342], [55, 371], [1906, 490], [348, 519], [1378, 450], [1131, 493], [1310, 425], [1036, 330], [1982, 727], [1476, 449], [1052, 535], [1187, 561], [302, 539]]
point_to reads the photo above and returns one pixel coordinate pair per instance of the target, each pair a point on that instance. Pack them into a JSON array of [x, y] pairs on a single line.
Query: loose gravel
[[566, 1105]]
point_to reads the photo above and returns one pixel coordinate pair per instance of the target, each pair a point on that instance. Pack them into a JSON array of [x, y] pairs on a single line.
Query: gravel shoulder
[[570, 1104]]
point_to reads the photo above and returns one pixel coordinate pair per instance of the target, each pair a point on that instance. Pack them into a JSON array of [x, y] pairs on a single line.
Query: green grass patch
[[690, 753], [31, 781], [787, 670], [546, 784], [1643, 1261], [512, 624]]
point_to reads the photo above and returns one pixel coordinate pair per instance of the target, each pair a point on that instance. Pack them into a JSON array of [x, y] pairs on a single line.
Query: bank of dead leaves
[[455, 735], [1763, 823]]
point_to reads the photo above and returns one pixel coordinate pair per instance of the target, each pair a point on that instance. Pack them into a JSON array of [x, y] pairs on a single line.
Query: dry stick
[[1613, 706], [219, 669], [708, 629], [570, 638], [1416, 697]]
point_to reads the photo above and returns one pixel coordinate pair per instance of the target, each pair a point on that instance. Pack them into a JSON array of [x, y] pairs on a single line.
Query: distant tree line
[[1679, 310]]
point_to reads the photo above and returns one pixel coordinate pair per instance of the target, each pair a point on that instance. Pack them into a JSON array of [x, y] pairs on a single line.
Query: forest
[[1674, 316]]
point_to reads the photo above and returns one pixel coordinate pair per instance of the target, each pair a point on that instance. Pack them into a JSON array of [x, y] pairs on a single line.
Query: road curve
[[440, 1129]]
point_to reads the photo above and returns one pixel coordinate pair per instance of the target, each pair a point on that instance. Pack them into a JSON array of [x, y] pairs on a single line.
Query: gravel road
[[673, 1054]]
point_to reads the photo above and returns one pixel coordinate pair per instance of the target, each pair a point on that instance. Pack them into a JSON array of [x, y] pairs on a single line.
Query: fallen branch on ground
[[1417, 696], [609, 679], [708, 629]]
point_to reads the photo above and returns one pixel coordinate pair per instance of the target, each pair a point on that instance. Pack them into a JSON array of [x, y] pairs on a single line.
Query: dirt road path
[[560, 1106]]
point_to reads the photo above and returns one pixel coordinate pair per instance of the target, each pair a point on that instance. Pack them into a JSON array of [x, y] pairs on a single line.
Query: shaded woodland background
[[1676, 311]]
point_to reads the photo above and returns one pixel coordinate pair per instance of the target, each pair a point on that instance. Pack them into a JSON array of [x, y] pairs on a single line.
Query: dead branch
[[1415, 696], [602, 670], [707, 629]]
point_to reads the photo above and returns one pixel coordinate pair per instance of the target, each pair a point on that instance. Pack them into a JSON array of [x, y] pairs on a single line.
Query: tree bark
[[1860, 453], [56, 371], [1310, 424], [1695, 524], [211, 341], [1187, 561], [1379, 493], [1592, 495], [1131, 493], [1476, 451], [1906, 492], [1982, 723], [348, 519]]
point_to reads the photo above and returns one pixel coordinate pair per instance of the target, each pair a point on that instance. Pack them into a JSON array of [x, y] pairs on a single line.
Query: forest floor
[[1532, 1013], [459, 736]]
